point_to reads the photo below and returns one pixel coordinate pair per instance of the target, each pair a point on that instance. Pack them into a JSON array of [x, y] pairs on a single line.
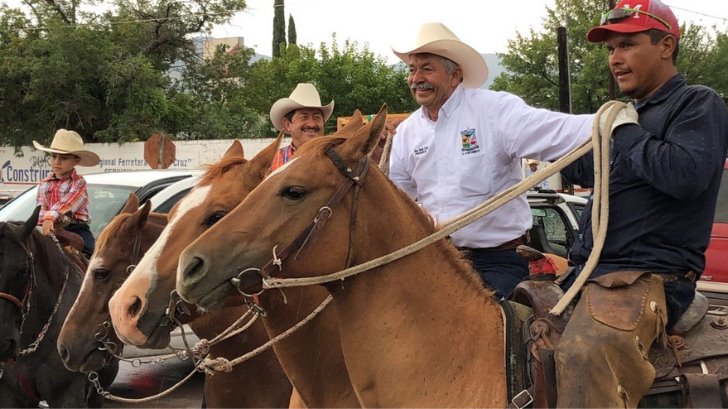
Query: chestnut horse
[[421, 331], [311, 358], [122, 244], [119, 245]]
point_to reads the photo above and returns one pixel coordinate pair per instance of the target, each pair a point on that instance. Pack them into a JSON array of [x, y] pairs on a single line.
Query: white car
[[555, 221], [109, 191]]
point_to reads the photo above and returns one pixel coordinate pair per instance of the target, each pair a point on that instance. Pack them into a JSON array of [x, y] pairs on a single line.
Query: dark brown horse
[[38, 284], [123, 242]]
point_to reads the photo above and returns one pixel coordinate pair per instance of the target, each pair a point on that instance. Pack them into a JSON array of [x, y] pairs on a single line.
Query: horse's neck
[[425, 318], [49, 292], [419, 317]]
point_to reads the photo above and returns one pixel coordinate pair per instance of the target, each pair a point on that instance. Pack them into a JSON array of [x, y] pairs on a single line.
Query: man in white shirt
[[533, 168], [465, 144]]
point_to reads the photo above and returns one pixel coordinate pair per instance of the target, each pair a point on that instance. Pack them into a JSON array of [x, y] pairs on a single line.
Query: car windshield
[[105, 201]]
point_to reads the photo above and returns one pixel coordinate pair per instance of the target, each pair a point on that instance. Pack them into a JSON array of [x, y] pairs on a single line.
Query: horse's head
[[138, 309], [16, 263], [87, 341], [281, 218]]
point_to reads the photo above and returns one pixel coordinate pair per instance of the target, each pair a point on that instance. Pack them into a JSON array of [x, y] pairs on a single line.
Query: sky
[[486, 25]]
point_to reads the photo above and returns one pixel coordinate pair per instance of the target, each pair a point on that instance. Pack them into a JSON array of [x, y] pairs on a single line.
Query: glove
[[627, 115]]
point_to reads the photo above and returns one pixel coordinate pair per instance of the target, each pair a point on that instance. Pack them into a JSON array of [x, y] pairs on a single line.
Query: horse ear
[[234, 151], [131, 205], [366, 138], [142, 215], [260, 164], [31, 223], [355, 123]]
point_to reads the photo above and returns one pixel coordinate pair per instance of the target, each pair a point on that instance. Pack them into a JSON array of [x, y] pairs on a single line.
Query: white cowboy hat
[[304, 96], [435, 38], [70, 142], [532, 162]]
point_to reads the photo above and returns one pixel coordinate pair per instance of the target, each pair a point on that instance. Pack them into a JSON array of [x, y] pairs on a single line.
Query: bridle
[[353, 179]]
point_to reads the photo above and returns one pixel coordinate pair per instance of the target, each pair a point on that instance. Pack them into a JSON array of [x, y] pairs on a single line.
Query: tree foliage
[[104, 75], [531, 61], [292, 38], [279, 28], [353, 77]]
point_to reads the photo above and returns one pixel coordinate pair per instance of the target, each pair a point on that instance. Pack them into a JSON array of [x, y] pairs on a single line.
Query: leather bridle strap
[[12, 299], [298, 244]]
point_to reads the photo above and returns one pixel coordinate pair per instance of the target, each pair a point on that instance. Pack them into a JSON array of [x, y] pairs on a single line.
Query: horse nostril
[[135, 308], [194, 267], [63, 352]]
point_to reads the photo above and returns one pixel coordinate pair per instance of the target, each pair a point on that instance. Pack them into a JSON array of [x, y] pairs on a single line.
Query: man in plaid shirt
[[62, 195], [302, 116]]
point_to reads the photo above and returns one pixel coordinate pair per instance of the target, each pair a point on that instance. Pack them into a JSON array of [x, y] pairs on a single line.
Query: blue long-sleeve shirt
[[664, 181]]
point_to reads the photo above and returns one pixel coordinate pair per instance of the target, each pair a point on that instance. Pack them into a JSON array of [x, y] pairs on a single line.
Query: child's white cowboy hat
[[435, 38], [304, 96], [70, 142]]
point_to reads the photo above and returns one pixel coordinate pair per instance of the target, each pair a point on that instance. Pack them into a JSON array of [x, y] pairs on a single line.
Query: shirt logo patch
[[421, 151], [470, 142]]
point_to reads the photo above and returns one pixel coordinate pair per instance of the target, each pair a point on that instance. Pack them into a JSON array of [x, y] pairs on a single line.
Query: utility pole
[[612, 86]]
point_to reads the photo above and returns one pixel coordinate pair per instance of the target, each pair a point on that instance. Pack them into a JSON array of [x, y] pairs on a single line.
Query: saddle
[[72, 244], [691, 371]]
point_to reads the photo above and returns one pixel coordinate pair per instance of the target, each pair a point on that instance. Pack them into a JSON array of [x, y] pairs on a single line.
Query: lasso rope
[[601, 159]]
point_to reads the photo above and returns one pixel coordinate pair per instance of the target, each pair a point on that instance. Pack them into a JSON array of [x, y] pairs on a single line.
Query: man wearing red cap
[[667, 160]]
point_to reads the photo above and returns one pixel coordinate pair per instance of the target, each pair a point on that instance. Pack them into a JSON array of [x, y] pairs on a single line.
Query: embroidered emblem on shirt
[[470, 142], [421, 150]]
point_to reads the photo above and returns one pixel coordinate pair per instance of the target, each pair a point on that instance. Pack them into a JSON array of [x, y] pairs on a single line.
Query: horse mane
[[215, 170], [54, 257], [318, 147]]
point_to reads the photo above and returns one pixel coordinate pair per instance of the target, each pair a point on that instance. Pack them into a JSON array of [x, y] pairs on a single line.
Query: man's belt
[[509, 245], [673, 277]]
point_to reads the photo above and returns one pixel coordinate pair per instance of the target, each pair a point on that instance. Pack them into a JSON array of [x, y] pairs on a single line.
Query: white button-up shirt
[[473, 152]]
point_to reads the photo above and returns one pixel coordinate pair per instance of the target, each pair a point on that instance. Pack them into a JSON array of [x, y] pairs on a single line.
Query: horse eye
[[214, 218], [101, 274], [293, 192]]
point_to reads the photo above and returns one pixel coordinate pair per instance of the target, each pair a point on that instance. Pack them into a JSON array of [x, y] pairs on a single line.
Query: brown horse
[[311, 357], [120, 244], [123, 242], [419, 332]]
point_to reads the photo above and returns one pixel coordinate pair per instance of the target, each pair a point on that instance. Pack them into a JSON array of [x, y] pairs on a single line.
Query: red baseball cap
[[635, 16]]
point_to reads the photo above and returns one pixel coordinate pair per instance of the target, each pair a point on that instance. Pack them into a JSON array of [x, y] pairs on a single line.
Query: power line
[[725, 19]]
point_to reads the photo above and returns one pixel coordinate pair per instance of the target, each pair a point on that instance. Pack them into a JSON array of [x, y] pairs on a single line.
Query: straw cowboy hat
[[435, 38], [532, 162], [304, 96], [70, 142]]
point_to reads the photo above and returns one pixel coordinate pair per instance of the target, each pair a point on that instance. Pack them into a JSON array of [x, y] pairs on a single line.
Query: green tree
[[531, 61], [106, 76], [291, 30], [353, 77], [279, 28]]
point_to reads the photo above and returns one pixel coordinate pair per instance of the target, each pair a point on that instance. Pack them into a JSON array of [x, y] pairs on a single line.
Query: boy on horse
[[62, 195], [667, 155], [302, 116]]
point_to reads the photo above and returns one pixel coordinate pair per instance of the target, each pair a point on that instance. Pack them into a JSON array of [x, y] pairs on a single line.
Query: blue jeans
[[501, 270], [84, 231]]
